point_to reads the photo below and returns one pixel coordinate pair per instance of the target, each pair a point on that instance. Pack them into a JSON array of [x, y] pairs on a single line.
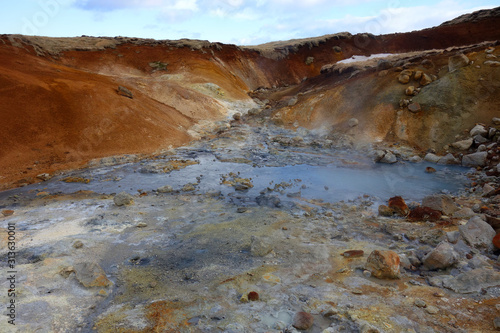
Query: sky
[[238, 22]]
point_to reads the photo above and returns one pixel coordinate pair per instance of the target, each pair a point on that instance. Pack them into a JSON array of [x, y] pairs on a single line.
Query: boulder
[[124, 92], [424, 214], [389, 158], [475, 159], [433, 158], [479, 130], [478, 233], [384, 264], [441, 257], [123, 199], [457, 61], [440, 202], [448, 159], [473, 281], [463, 144], [398, 206]]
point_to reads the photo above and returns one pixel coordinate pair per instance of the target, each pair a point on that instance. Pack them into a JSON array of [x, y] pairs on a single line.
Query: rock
[[478, 233], [420, 303], [431, 309], [488, 190], [44, 176], [440, 202], [237, 116], [384, 210], [433, 158], [453, 236], [496, 121], [398, 206], [448, 159], [303, 321], [496, 241], [259, 247], [479, 130], [188, 188], [383, 264], [414, 107], [423, 213], [90, 274], [457, 61], [426, 79], [253, 296], [389, 158], [430, 170], [464, 213], [441, 257], [78, 244], [241, 210], [353, 122], [165, 189], [384, 64], [415, 159], [7, 212], [353, 253], [491, 133], [123, 199], [124, 92], [496, 323], [473, 281], [463, 144], [379, 155], [418, 75], [492, 63], [410, 90], [475, 159], [403, 78], [479, 139]]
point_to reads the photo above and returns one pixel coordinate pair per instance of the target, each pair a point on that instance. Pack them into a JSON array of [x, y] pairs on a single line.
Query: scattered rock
[[496, 121], [237, 116], [420, 303], [410, 91], [303, 321], [353, 253], [475, 159], [353, 122], [496, 241], [478, 233], [44, 176], [384, 210], [7, 212], [253, 296], [414, 107], [457, 61], [389, 158], [453, 236], [404, 78], [441, 257], [125, 92], [488, 190], [423, 213], [259, 247], [433, 158], [430, 170], [383, 264], [141, 225], [418, 75], [241, 210], [398, 206], [90, 274], [473, 281], [425, 80], [189, 188], [463, 144], [440, 202], [479, 130], [123, 199], [448, 159], [431, 309], [78, 244], [165, 189], [415, 159], [464, 213], [492, 63]]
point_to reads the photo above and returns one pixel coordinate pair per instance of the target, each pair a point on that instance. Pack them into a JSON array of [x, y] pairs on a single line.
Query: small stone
[[91, 275], [463, 144], [438, 294], [367, 273], [410, 91], [7, 212], [398, 206], [433, 158], [389, 158], [414, 107], [44, 176], [419, 303], [165, 189], [496, 121], [418, 75], [188, 188], [384, 264], [440, 202], [123, 199], [415, 159], [259, 247], [353, 122], [303, 321], [237, 116], [125, 92], [78, 244], [253, 296], [403, 78], [426, 79], [464, 213], [448, 159], [496, 241], [478, 233], [353, 253], [431, 309], [241, 210], [141, 225], [441, 257], [430, 170], [487, 190], [496, 323]]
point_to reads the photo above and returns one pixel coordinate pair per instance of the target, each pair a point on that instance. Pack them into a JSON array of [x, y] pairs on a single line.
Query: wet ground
[[255, 211]]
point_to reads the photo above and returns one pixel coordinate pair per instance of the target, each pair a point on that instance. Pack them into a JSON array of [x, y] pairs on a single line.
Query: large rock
[[457, 61], [479, 130], [448, 159], [441, 257], [259, 247], [478, 233], [433, 158], [463, 144], [123, 199], [440, 202], [398, 206], [475, 159], [473, 281], [384, 264], [389, 158]]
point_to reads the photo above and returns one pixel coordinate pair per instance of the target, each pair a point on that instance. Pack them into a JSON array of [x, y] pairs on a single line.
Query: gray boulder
[[441, 257], [478, 233], [475, 159], [165, 189], [433, 158], [478, 130], [473, 281], [123, 199], [448, 159], [441, 202], [463, 144], [389, 158]]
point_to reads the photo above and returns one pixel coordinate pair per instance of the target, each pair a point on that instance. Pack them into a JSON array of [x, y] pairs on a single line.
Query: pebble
[[421, 304], [7, 212], [438, 294], [141, 225], [353, 253], [241, 209], [432, 309], [78, 244], [496, 323], [253, 296], [303, 321]]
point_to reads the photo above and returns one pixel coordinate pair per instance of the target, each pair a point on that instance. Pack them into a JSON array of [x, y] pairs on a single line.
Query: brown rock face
[[303, 321], [384, 264], [398, 205], [424, 214]]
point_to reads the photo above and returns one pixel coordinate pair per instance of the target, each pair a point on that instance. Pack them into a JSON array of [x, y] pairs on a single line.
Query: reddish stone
[[424, 214], [253, 296], [430, 170], [353, 253], [398, 205], [384, 264], [7, 212], [303, 321], [496, 241]]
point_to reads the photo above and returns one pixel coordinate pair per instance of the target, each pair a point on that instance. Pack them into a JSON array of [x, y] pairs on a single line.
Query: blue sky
[[239, 22]]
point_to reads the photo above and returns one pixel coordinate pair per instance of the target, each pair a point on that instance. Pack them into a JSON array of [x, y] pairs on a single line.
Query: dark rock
[[473, 281], [398, 205], [496, 241], [441, 257], [124, 92], [303, 321], [440, 202], [430, 170], [384, 210], [253, 296], [353, 253], [457, 61], [384, 64], [478, 233], [78, 244], [423, 213], [414, 107]]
